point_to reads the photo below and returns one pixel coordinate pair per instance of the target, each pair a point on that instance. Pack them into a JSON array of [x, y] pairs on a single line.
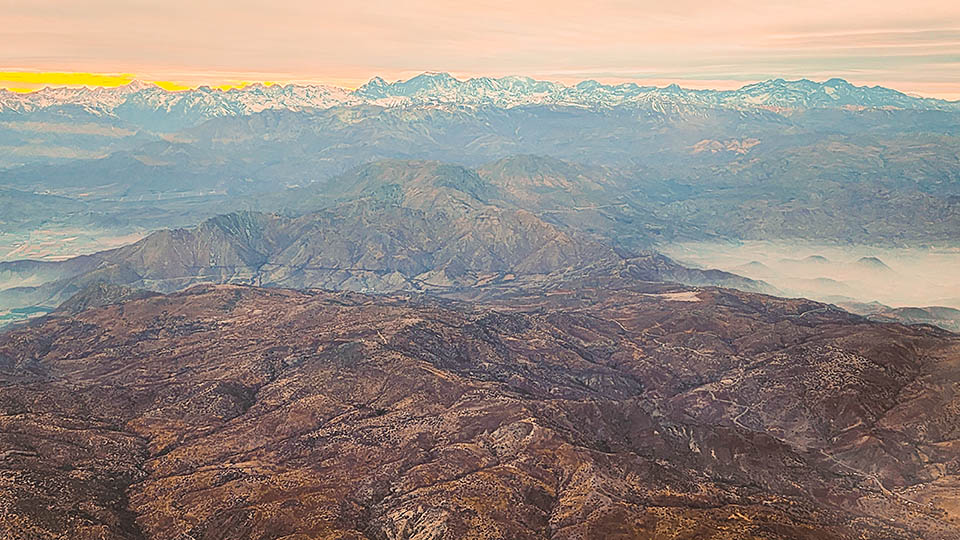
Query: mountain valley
[[443, 308]]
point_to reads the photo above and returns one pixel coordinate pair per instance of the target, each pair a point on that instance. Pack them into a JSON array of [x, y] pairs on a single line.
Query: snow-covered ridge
[[772, 94], [443, 89]]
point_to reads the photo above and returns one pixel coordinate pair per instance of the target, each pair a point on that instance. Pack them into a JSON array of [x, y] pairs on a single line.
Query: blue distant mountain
[[141, 102]]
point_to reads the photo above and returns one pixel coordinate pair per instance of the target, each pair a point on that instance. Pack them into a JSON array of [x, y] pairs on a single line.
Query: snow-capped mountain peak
[[141, 99]]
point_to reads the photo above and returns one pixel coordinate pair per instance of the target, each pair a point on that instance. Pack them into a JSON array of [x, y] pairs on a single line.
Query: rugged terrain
[[550, 385], [387, 226], [775, 159], [595, 407]]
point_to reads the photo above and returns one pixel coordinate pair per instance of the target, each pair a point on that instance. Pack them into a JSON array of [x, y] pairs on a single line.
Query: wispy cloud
[[913, 46]]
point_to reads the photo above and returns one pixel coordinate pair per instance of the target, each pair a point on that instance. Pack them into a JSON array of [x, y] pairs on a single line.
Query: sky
[[913, 46]]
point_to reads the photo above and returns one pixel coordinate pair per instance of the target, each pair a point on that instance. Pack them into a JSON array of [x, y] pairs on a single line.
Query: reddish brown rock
[[609, 412]]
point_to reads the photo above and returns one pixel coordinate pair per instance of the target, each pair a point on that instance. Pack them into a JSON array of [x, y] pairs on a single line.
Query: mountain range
[[384, 227], [419, 225], [777, 159], [439, 309], [137, 101], [533, 164]]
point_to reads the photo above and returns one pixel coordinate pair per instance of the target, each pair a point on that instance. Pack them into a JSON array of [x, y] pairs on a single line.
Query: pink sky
[[912, 46]]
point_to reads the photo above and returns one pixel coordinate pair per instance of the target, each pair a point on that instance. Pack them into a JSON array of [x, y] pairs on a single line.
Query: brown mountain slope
[[366, 246], [638, 412]]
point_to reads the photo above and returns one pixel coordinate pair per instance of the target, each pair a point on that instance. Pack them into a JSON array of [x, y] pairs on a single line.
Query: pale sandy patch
[[682, 296]]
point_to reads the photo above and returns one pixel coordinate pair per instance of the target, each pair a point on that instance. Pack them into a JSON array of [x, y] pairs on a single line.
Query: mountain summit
[[443, 88]]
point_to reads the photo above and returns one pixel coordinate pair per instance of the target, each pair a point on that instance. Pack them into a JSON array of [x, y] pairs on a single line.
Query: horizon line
[[27, 82]]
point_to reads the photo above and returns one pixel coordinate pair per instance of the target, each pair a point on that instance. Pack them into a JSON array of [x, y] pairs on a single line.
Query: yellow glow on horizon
[[170, 85], [173, 86], [31, 81]]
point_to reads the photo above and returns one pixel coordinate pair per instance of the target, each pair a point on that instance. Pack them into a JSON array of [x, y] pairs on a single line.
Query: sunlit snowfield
[[896, 277]]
